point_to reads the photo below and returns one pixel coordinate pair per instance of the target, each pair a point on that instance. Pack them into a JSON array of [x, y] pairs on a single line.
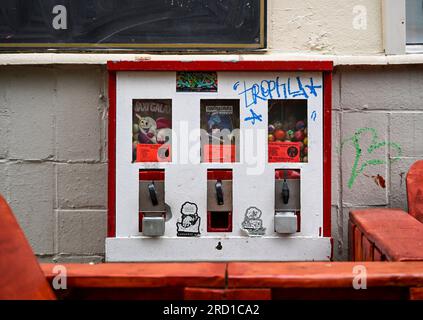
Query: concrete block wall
[[53, 160], [53, 168], [378, 135]]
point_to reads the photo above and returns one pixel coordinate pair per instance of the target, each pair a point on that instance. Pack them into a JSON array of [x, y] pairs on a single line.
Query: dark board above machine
[[132, 24]]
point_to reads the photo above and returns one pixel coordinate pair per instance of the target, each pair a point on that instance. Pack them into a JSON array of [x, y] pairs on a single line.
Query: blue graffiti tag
[[274, 89], [254, 117]]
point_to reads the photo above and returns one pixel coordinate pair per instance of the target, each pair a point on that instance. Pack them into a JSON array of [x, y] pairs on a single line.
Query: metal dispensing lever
[[153, 194], [285, 192], [219, 192]]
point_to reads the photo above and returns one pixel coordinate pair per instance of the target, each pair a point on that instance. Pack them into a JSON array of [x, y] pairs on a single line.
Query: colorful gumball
[[305, 141], [300, 125], [271, 138], [277, 125], [279, 134], [290, 134], [305, 151], [305, 159], [299, 135]]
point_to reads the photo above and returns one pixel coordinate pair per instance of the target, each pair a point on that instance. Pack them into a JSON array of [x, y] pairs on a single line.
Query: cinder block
[[104, 103], [340, 218], [4, 116], [31, 190], [4, 133], [383, 88], [64, 258], [30, 99], [367, 186], [82, 185], [336, 153], [3, 180], [406, 130], [337, 234], [45, 258], [81, 232], [78, 113], [398, 186], [336, 87]]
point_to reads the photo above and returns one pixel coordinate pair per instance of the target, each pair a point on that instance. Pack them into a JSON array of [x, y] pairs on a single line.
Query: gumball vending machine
[[219, 161]]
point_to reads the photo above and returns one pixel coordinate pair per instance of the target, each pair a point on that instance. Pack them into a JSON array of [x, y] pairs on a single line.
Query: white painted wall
[[325, 26]]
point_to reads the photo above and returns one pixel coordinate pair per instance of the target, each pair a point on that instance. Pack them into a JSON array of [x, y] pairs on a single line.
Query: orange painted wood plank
[[322, 274], [227, 294], [351, 240], [358, 245], [416, 293], [367, 249], [398, 235], [20, 275], [203, 294], [167, 293], [377, 255], [347, 293], [135, 275]]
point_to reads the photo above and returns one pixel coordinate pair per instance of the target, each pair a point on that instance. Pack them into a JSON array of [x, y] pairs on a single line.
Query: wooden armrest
[[322, 274], [396, 234], [141, 275], [256, 280]]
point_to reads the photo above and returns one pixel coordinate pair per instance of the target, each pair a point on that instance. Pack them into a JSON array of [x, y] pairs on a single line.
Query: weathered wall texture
[[378, 135], [53, 168], [325, 26]]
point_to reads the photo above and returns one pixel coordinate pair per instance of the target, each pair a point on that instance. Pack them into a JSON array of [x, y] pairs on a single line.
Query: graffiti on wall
[[364, 157], [196, 81]]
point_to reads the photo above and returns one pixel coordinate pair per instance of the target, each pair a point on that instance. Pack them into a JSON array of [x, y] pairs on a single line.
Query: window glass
[[151, 130], [220, 130], [288, 139], [414, 13]]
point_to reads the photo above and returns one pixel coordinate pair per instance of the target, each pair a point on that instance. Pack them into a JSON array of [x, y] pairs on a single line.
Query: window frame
[[394, 29]]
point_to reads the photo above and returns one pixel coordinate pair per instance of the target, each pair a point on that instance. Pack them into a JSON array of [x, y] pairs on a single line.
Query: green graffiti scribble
[[202, 81], [374, 145]]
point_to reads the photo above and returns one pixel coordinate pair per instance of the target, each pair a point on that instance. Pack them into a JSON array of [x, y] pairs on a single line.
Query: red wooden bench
[[390, 234], [22, 278]]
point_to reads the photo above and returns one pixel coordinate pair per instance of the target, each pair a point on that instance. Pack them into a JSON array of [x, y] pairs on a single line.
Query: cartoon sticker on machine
[[253, 224], [152, 130], [189, 223]]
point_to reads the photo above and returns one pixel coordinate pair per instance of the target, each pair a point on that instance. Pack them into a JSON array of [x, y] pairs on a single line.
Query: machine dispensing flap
[[219, 190], [287, 190], [151, 192]]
